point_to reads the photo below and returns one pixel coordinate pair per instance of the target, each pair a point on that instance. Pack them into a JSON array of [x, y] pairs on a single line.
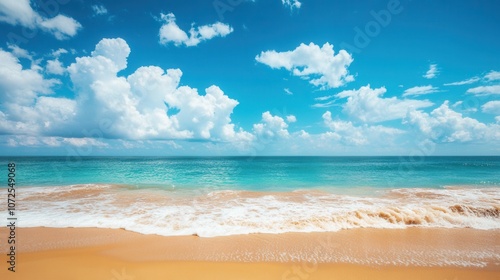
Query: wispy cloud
[[325, 105], [432, 72], [323, 98], [420, 90], [293, 4], [99, 10], [485, 90], [492, 76], [464, 82]]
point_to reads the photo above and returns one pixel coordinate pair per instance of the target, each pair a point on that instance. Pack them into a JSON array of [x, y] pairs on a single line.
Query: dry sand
[[89, 253]]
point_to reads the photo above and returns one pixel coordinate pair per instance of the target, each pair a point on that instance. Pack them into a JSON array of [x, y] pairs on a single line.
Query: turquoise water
[[217, 196], [260, 173]]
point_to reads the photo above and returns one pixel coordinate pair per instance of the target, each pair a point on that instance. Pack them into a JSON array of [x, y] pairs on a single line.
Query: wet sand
[[415, 253]]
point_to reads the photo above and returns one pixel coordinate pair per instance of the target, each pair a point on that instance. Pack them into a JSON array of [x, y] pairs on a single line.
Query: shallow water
[[227, 196]]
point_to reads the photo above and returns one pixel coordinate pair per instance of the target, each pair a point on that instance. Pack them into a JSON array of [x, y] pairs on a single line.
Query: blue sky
[[236, 77]]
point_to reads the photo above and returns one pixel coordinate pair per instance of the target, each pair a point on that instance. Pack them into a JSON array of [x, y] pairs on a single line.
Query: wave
[[230, 212]]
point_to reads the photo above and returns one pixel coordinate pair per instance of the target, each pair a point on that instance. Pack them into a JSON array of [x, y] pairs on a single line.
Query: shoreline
[[210, 213], [92, 253]]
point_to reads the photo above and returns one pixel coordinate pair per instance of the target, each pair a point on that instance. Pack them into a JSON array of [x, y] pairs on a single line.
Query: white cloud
[[40, 141], [116, 50], [324, 98], [57, 53], [485, 90], [99, 10], [368, 105], [19, 52], [464, 82], [325, 105], [29, 141], [80, 142], [432, 72], [464, 107], [271, 127], [171, 32], [492, 76], [44, 117], [20, 12], [322, 66], [288, 91], [420, 90], [55, 67], [492, 107], [291, 119], [349, 134], [110, 106], [18, 85], [303, 134], [446, 125], [61, 26], [136, 104], [292, 4]]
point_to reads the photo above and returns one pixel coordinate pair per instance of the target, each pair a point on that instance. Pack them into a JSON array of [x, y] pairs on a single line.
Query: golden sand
[[89, 253]]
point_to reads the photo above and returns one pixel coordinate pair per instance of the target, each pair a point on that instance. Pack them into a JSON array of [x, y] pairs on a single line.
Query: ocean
[[220, 196]]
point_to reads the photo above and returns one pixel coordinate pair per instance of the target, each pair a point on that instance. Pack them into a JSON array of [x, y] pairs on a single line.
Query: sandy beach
[[415, 253]]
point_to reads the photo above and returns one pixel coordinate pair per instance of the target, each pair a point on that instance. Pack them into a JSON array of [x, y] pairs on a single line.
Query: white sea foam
[[222, 213]]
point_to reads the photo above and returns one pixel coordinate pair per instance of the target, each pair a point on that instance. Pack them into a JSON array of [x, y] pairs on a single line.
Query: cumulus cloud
[[321, 66], [420, 90], [291, 119], [55, 67], [485, 90], [57, 53], [18, 85], [293, 4], [45, 117], [432, 72], [271, 127], [445, 125], [349, 134], [137, 104], [61, 26], [368, 105], [492, 107], [20, 12], [116, 50], [170, 32], [19, 52], [148, 104]]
